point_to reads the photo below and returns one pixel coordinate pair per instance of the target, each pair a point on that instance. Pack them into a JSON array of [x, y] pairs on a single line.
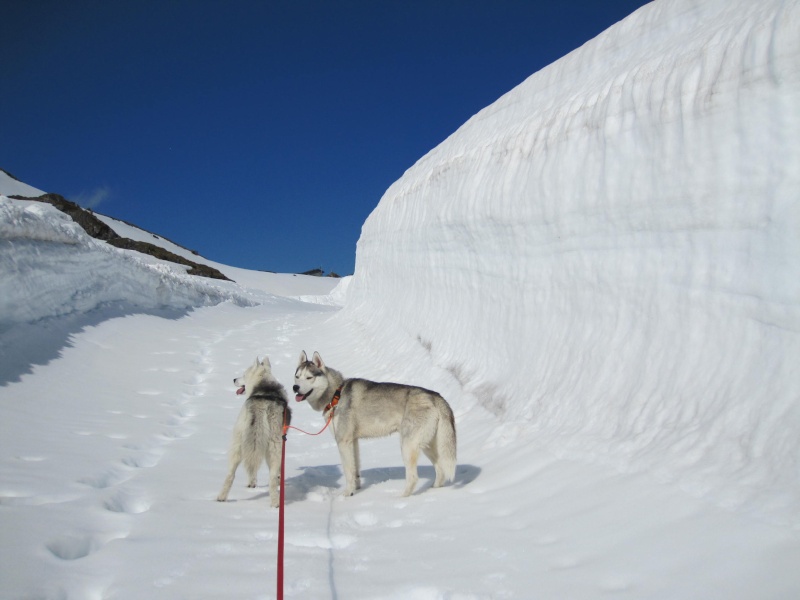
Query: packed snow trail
[[113, 497]]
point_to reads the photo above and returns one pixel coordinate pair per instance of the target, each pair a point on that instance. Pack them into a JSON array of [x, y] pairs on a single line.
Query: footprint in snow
[[365, 519], [149, 459], [128, 501], [79, 545]]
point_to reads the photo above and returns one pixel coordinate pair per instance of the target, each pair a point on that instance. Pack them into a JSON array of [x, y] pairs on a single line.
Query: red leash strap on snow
[[280, 509]]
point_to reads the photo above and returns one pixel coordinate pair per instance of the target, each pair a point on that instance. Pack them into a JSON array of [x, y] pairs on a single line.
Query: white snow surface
[[11, 186], [599, 272]]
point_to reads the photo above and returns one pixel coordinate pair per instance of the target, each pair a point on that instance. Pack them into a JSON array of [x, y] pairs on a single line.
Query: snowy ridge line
[[38, 237], [11, 186], [608, 253]]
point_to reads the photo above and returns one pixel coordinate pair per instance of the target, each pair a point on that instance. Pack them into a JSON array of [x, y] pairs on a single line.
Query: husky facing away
[[258, 432], [367, 409]]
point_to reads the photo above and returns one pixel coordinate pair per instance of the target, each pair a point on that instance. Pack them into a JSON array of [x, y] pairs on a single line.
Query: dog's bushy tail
[[446, 440]]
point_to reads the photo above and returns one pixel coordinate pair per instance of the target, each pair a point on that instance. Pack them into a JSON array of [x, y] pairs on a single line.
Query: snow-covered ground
[[599, 272]]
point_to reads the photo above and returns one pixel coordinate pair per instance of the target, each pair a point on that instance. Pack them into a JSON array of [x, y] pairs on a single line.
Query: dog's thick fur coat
[[258, 432], [368, 409]]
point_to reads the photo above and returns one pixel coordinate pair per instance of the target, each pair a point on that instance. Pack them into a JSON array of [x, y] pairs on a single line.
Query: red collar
[[332, 404]]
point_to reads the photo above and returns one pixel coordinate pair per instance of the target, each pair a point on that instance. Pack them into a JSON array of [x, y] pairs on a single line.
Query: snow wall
[[609, 255]]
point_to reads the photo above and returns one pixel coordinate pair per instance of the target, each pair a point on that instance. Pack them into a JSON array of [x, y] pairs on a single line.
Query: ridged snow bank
[[610, 253], [49, 267]]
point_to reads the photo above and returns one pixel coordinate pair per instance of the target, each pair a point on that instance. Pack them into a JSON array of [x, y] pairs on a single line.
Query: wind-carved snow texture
[[610, 252]]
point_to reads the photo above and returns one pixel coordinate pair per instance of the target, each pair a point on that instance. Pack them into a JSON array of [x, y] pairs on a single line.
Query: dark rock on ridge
[[99, 230]]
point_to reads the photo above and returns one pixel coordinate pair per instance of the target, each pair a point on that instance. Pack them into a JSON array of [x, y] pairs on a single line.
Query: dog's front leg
[[348, 452]]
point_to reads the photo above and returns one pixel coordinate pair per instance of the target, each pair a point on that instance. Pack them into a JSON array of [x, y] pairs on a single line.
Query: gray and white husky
[[367, 409], [258, 433]]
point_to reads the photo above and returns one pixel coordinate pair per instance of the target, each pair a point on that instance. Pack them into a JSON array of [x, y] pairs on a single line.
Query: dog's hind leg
[[252, 460], [410, 451], [274, 465], [444, 446], [235, 459], [357, 454], [433, 456]]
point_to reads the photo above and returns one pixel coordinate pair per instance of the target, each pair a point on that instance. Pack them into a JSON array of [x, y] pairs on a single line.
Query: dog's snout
[[296, 388]]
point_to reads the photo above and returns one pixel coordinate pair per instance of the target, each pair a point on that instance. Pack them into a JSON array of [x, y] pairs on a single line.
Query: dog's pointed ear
[[258, 362], [266, 362], [303, 357], [318, 360]]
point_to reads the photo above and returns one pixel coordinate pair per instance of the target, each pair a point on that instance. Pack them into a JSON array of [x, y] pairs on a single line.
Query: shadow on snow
[[327, 479], [23, 346]]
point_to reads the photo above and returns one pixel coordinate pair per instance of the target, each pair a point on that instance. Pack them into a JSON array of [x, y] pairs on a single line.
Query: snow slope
[[40, 306], [281, 284], [608, 255], [11, 186]]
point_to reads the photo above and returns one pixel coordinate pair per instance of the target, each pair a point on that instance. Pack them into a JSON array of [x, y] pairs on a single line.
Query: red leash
[[280, 511], [286, 428], [328, 422]]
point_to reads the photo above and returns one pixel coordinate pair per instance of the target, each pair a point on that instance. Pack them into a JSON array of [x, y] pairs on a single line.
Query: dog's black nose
[[234, 381], [296, 388]]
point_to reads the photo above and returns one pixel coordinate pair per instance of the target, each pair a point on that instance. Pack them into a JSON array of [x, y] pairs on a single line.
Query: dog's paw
[[251, 485], [221, 499]]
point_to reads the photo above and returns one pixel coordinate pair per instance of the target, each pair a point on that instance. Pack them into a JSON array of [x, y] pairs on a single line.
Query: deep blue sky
[[261, 134]]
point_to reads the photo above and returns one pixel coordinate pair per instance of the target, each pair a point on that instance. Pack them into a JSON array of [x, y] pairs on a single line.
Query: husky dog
[[367, 409], [258, 432]]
